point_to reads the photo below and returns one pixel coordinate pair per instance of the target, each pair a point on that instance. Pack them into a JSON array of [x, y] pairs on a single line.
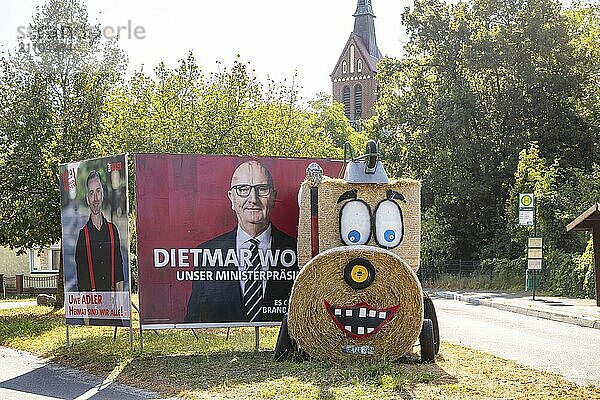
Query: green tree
[[327, 118], [228, 112], [481, 80], [52, 91]]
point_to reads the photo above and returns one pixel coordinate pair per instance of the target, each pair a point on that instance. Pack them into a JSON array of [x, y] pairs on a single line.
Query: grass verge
[[214, 366]]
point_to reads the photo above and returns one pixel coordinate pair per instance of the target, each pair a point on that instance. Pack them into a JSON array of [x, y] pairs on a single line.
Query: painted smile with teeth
[[360, 320]]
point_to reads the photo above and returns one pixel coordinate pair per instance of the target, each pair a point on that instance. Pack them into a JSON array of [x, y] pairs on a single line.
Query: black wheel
[[430, 314], [285, 345], [373, 151], [426, 341]]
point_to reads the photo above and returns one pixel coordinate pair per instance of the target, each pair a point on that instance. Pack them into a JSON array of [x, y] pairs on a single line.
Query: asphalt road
[[5, 305], [24, 376], [568, 350]]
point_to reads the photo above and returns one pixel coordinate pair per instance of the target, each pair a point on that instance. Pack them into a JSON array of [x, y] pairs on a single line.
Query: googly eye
[[389, 235], [355, 223], [388, 224], [354, 236]]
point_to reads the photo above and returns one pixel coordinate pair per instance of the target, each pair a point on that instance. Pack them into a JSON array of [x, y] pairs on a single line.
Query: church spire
[[364, 26], [364, 7]]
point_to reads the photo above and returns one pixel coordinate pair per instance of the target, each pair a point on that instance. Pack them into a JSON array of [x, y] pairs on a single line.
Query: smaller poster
[[95, 241], [526, 217]]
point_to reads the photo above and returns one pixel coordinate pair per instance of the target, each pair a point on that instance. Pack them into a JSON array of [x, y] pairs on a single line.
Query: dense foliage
[[52, 92], [229, 112], [492, 99]]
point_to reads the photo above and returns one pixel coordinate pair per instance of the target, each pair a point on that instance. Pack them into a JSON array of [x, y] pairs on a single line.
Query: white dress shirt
[[242, 242]]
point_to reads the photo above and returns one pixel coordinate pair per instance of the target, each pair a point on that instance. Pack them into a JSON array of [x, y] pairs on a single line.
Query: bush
[[508, 274], [569, 274], [564, 274]]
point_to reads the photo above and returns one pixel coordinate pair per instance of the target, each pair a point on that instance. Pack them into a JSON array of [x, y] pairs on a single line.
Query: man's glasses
[[244, 190]]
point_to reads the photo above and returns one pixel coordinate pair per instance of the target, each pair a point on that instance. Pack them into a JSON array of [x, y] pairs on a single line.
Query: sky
[[277, 37]]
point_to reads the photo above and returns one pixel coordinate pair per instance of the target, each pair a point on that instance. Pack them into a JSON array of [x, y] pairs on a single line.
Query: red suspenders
[[112, 256], [89, 256]]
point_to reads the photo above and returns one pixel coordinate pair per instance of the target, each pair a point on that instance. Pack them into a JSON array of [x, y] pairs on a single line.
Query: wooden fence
[[22, 285]]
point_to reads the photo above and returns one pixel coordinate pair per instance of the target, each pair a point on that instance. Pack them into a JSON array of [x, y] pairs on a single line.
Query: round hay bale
[[326, 314]]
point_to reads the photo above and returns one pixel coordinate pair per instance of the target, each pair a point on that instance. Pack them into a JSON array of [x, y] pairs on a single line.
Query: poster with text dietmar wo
[[216, 238]]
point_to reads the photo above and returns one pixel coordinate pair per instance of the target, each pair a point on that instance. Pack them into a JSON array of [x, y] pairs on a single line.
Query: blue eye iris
[[354, 236], [389, 235]]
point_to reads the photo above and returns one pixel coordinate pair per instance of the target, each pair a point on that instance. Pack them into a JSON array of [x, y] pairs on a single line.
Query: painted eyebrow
[[393, 195], [350, 194]]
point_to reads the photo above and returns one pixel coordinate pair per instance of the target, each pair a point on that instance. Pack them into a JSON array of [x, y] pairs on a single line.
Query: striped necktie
[[253, 292]]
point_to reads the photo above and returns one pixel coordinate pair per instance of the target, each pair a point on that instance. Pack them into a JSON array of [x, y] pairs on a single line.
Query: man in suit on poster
[[261, 282]]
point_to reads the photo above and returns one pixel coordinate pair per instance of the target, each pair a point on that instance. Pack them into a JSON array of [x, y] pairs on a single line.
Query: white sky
[[278, 37]]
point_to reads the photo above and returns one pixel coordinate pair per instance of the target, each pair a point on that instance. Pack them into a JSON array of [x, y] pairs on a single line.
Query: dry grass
[[175, 363]]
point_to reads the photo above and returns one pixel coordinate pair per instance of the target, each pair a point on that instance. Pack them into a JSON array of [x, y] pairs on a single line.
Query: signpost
[[534, 258], [526, 209]]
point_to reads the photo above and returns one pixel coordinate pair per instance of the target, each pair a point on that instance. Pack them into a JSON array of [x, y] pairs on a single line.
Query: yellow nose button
[[359, 273]]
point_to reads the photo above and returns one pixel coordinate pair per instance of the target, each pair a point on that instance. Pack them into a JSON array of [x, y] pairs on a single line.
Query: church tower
[[353, 78]]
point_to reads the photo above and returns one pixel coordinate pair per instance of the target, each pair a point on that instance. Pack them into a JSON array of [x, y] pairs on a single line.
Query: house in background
[[30, 273]]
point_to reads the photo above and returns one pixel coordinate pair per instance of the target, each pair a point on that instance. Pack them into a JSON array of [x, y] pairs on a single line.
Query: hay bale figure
[[404, 193], [331, 320], [357, 295]]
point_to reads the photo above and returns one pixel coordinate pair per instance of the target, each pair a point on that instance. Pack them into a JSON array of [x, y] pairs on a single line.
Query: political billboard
[[95, 241], [216, 238]]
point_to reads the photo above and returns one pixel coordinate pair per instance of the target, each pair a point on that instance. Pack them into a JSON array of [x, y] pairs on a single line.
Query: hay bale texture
[[322, 279], [318, 330], [329, 237]]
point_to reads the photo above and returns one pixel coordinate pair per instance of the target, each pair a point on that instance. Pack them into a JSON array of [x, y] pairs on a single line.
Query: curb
[[568, 319]]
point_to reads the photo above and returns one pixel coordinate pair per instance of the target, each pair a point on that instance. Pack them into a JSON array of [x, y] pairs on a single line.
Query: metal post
[[141, 339], [2, 287], [491, 275], [131, 335], [68, 344], [131, 328], [256, 338], [533, 271]]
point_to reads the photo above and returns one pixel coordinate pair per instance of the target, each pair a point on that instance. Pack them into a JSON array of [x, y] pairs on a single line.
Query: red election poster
[[216, 238], [95, 241]]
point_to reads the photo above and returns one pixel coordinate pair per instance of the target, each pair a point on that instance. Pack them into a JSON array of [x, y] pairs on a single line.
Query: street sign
[[526, 209], [534, 242], [526, 201], [526, 217], [534, 264], [534, 253], [534, 248]]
